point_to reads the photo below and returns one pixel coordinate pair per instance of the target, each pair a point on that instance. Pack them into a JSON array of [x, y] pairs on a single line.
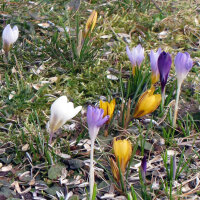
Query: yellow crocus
[[90, 24], [122, 150], [108, 108], [147, 103]]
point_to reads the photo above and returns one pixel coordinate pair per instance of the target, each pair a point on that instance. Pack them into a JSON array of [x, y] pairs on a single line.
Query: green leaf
[[55, 171]]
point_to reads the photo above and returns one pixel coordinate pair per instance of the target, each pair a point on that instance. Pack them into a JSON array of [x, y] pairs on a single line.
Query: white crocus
[[61, 112], [9, 36]]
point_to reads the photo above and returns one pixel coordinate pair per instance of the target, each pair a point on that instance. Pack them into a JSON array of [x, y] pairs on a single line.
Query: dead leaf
[[25, 147], [44, 25], [6, 168]]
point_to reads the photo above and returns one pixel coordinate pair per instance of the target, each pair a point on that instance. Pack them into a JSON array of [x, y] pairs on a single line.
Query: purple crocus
[[144, 168], [154, 65], [164, 66], [183, 64], [95, 120], [136, 55]]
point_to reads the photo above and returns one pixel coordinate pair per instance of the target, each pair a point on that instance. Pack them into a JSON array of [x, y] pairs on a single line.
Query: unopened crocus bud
[[61, 112], [9, 37], [164, 66], [144, 168], [155, 75], [123, 151], [90, 24]]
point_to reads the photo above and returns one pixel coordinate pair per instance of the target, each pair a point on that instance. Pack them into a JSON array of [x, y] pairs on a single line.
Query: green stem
[[91, 169], [176, 105]]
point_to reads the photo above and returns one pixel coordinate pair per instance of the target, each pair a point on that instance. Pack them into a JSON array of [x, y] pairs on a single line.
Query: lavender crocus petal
[[154, 60], [179, 61], [89, 115], [189, 62], [96, 114], [183, 64], [130, 56], [164, 66], [159, 51], [101, 113], [95, 120], [101, 122], [139, 54]]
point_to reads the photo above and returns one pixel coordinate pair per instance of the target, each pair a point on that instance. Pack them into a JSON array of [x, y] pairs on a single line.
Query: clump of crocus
[[136, 56], [108, 110], [183, 64], [164, 66], [123, 151], [147, 103], [61, 112], [9, 37], [90, 24], [155, 76], [144, 168], [95, 119]]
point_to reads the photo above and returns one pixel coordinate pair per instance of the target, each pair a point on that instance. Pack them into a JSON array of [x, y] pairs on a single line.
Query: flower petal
[[164, 66], [130, 56], [183, 64]]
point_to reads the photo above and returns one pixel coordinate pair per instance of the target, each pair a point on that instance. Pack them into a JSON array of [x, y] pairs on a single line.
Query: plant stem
[[51, 136], [91, 169], [176, 105]]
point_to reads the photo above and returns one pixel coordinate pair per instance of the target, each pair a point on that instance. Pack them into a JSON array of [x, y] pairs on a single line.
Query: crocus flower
[[164, 66], [90, 24], [154, 65], [9, 37], [95, 120], [183, 64], [144, 168], [147, 103], [123, 151], [136, 56], [61, 112], [108, 108]]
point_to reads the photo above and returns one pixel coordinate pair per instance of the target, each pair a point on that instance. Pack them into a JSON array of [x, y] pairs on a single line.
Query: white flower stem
[[163, 98], [176, 105], [91, 169]]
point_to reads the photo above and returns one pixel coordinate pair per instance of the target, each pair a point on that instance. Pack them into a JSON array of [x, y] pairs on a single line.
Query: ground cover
[[50, 60]]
